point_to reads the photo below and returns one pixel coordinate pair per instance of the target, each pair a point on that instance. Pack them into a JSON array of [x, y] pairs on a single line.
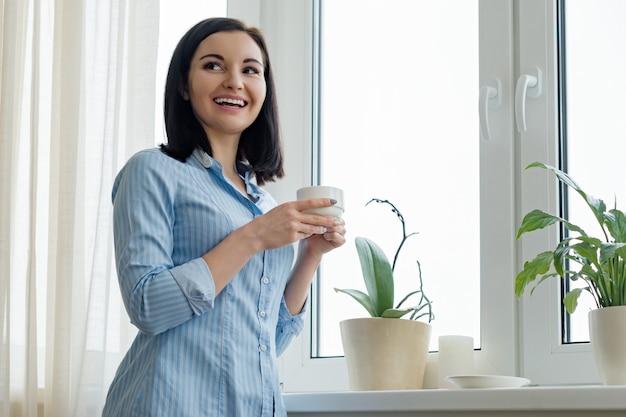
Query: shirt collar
[[207, 161], [203, 157]]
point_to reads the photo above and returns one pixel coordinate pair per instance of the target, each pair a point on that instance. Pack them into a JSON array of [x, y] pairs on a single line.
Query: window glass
[[398, 121], [595, 111]]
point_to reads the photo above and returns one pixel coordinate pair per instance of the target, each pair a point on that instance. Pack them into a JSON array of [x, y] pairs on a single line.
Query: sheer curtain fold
[[78, 91]]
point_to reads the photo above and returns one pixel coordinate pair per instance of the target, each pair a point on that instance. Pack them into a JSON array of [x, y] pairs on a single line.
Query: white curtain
[[77, 93]]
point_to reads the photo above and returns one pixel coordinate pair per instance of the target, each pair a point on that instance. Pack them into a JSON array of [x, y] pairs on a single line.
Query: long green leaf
[[395, 313], [596, 205], [538, 219], [611, 250], [593, 241], [535, 220], [538, 266], [615, 221], [542, 279], [377, 274], [564, 177], [560, 255], [587, 251], [362, 298], [571, 300]]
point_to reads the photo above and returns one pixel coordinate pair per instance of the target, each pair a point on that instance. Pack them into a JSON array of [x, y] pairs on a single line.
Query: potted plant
[[371, 345], [599, 262]]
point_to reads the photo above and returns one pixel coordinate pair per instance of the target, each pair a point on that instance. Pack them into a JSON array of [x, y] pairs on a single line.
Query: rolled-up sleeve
[[289, 326]]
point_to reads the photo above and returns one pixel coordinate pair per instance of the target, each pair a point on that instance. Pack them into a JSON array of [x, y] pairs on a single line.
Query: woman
[[204, 255]]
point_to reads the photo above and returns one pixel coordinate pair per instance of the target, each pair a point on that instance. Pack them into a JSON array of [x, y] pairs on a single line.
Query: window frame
[[545, 358], [517, 339]]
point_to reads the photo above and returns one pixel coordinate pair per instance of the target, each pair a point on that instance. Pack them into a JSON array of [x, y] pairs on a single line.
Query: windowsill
[[540, 401]]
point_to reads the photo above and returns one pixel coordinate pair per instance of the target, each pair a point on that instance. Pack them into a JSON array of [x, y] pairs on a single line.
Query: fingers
[[308, 230], [337, 239], [334, 234], [329, 222], [314, 203]]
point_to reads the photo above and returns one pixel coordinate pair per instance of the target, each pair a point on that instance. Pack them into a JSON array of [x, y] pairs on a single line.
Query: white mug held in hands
[[323, 191]]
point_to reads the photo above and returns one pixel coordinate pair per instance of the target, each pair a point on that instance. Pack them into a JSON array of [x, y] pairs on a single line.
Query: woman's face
[[226, 84]]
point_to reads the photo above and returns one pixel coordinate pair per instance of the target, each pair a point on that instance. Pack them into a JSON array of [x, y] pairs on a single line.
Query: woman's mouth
[[230, 102]]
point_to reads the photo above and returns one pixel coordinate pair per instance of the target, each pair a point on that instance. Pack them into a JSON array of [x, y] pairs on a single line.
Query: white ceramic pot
[[607, 331], [385, 354]]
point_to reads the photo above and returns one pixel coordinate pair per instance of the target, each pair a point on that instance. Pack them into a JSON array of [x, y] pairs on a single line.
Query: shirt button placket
[[262, 314]]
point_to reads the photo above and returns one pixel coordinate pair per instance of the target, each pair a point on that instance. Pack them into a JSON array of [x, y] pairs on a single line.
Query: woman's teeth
[[230, 102]]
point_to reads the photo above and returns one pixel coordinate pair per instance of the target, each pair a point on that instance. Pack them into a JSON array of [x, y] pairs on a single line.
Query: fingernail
[[324, 230], [333, 201]]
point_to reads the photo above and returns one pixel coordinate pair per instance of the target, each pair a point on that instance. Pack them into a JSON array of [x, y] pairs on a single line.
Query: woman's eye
[[213, 66], [251, 70]]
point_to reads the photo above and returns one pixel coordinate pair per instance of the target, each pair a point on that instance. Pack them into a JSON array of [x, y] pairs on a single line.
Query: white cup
[[323, 191], [456, 357]]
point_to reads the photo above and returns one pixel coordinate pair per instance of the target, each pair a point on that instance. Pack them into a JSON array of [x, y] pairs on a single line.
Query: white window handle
[[490, 97], [528, 85]]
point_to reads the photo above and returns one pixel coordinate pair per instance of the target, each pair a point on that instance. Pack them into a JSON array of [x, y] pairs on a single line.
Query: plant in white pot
[[599, 263], [386, 351]]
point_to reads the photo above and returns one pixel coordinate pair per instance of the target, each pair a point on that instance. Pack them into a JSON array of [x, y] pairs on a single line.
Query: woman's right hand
[[286, 223]]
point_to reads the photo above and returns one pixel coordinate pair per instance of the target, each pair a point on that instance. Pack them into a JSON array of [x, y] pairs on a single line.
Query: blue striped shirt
[[196, 354]]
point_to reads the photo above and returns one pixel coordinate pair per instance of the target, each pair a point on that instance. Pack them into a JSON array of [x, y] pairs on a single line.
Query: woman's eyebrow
[[216, 56], [221, 58], [253, 60]]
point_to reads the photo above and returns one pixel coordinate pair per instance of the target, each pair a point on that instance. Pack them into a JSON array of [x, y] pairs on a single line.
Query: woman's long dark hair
[[260, 144]]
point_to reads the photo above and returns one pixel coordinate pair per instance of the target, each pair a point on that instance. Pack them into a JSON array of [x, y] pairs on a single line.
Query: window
[[514, 37]]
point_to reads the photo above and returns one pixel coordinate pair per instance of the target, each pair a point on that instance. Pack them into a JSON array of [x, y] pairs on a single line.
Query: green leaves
[[571, 299], [377, 274], [538, 266], [597, 206], [379, 280], [538, 219], [362, 298], [394, 313], [600, 263], [616, 224]]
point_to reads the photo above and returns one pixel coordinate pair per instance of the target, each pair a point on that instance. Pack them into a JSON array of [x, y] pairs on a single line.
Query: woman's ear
[[182, 90]]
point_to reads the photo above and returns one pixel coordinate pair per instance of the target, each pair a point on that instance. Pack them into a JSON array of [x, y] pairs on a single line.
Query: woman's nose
[[233, 80]]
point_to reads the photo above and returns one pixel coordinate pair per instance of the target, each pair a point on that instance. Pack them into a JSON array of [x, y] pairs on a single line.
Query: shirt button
[[263, 348], [266, 280], [262, 313]]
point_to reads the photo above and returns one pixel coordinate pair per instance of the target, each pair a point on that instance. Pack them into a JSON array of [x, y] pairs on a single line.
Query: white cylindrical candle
[[456, 357]]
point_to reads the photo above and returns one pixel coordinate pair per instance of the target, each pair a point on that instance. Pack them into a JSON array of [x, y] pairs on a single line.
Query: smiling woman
[[204, 255]]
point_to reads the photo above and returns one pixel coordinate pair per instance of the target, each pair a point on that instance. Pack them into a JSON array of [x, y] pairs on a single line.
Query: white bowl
[[487, 381]]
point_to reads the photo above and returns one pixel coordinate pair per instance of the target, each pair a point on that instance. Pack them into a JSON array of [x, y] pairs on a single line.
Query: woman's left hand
[[310, 252], [319, 244]]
